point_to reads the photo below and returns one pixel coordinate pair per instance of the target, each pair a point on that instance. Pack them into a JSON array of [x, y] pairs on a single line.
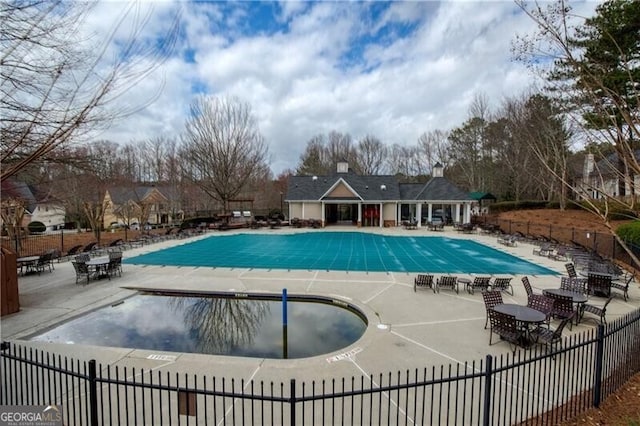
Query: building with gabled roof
[[126, 205], [348, 198], [37, 201]]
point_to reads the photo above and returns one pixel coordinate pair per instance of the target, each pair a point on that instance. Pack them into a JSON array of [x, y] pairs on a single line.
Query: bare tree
[[55, 86], [371, 154], [594, 75], [222, 147], [434, 146]]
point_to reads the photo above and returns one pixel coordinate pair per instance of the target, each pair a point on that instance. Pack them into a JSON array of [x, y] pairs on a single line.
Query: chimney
[[438, 170], [343, 167], [589, 165]]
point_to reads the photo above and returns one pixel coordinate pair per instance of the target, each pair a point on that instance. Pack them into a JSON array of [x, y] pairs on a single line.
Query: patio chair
[[424, 281], [73, 250], [82, 258], [599, 285], [481, 283], [542, 304], [115, 264], [527, 286], [623, 287], [550, 337], [578, 285], [562, 306], [447, 282], [571, 270], [491, 299], [502, 284], [599, 311], [90, 247], [45, 261], [82, 271], [504, 325]]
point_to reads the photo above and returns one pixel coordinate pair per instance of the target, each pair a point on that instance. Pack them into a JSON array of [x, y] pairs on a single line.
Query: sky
[[393, 70]]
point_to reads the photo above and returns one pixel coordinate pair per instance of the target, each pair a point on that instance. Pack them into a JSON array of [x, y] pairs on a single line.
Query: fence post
[[93, 394], [486, 419], [597, 382], [292, 402], [61, 242]]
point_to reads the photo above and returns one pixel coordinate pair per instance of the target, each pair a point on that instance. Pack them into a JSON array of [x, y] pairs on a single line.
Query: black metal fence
[[530, 387], [604, 244]]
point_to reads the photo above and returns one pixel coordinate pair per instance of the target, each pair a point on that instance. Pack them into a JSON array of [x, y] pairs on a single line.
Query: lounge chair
[[73, 251], [44, 262], [491, 299], [424, 281], [502, 284], [447, 282], [481, 283]]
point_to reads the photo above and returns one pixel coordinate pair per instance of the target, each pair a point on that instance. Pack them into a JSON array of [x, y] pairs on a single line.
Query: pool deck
[[407, 330]]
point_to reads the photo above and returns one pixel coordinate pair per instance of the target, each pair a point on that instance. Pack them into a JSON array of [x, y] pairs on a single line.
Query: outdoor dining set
[[528, 325], [88, 268]]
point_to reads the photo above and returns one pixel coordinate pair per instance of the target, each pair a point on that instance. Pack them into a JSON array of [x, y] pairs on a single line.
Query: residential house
[[347, 198], [606, 177], [38, 204], [127, 205]]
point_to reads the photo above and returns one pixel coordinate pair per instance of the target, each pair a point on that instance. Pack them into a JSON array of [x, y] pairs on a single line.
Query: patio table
[[578, 298], [525, 317], [100, 265]]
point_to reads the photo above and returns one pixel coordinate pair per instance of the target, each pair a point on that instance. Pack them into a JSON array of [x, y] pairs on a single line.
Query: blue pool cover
[[342, 251]]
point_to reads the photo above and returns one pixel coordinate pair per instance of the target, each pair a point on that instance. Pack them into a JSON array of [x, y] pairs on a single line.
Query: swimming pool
[[236, 324], [342, 251]]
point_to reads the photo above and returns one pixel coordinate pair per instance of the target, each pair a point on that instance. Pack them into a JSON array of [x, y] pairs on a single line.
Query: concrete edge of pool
[[423, 328]]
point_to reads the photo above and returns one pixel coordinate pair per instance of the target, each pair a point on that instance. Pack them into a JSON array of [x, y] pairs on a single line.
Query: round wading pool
[[237, 324]]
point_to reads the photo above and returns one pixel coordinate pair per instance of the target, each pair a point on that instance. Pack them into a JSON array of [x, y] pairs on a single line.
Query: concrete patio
[[407, 329]]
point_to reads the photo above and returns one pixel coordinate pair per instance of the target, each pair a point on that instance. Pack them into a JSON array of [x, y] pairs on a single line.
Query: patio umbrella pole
[[285, 344]]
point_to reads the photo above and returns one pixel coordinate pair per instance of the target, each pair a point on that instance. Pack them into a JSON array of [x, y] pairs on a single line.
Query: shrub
[[36, 227], [630, 232], [505, 206]]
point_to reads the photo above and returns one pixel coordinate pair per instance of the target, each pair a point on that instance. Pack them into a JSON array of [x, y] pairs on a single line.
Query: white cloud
[[309, 72]]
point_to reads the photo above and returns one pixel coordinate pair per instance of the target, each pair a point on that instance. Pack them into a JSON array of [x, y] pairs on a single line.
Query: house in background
[[347, 198], [128, 205], [38, 204], [606, 178]]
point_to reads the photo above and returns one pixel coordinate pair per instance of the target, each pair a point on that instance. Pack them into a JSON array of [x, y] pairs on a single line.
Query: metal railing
[[530, 387], [604, 244]]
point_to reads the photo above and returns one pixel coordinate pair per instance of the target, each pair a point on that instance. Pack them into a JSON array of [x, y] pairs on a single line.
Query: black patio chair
[[562, 306], [571, 270], [623, 287], [578, 285], [504, 325], [424, 281], [481, 283], [502, 284], [82, 271], [447, 282], [527, 286], [115, 264], [491, 299], [599, 311], [599, 285], [542, 304], [550, 337]]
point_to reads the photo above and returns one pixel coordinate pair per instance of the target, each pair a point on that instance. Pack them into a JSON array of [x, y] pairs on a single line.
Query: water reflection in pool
[[215, 325]]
